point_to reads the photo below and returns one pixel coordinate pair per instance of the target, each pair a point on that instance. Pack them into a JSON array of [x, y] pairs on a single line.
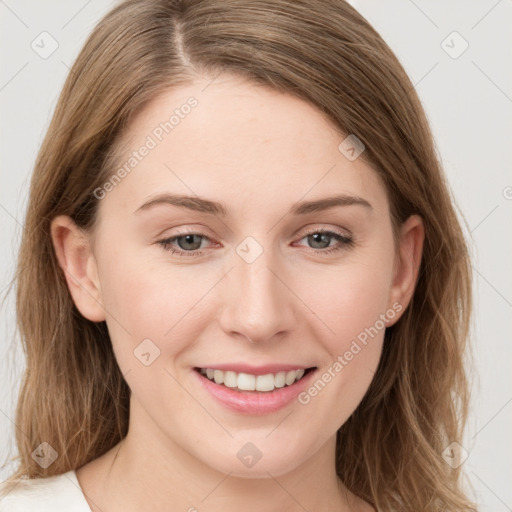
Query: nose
[[258, 304]]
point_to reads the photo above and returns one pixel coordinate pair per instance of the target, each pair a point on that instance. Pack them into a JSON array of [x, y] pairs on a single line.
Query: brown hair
[[73, 395]]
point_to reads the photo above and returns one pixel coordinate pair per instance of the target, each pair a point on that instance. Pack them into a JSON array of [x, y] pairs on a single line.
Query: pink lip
[[256, 370], [255, 402]]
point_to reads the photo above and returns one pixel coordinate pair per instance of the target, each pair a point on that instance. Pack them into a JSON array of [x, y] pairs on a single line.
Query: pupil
[[189, 240], [317, 238]]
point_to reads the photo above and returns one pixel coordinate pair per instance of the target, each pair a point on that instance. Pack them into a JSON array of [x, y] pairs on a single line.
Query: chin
[[241, 465]]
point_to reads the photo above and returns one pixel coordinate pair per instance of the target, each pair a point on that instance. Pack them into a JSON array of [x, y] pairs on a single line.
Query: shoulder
[[56, 493]]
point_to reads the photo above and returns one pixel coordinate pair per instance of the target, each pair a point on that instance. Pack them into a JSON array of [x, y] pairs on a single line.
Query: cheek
[[145, 301], [156, 308], [351, 300], [351, 305]]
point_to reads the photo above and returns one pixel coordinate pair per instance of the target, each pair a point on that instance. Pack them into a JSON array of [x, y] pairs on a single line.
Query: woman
[[242, 282]]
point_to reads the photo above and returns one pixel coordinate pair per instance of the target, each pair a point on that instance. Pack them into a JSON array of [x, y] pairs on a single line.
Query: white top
[[61, 493]]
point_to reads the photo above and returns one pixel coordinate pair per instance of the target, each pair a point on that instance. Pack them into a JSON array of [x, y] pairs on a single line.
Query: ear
[[407, 263], [75, 256]]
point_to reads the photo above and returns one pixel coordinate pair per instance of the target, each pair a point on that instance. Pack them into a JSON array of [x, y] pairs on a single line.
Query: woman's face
[[255, 273]]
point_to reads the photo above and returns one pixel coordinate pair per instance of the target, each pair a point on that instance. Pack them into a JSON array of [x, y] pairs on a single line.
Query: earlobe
[[407, 263], [75, 256]]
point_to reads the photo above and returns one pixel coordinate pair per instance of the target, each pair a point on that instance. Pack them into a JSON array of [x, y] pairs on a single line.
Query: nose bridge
[[257, 303]]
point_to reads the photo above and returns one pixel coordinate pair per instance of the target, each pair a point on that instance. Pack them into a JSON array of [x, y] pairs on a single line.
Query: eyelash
[[344, 242]]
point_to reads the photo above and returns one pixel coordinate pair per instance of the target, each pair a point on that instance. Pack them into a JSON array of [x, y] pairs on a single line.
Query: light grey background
[[468, 101]]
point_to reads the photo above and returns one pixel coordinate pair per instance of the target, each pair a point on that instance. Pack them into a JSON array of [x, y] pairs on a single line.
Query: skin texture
[[259, 152]]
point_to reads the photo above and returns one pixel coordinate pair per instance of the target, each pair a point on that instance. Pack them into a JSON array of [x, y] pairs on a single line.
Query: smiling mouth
[[257, 383]]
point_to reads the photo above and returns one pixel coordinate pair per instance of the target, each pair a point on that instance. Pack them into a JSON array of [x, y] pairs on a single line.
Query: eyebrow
[[202, 205]]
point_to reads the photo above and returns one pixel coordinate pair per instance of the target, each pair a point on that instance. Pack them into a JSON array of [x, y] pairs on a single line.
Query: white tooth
[[230, 379], [265, 382], [246, 382], [279, 379], [290, 377]]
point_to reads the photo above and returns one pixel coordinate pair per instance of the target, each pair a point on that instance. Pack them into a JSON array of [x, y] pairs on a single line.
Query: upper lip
[[256, 370]]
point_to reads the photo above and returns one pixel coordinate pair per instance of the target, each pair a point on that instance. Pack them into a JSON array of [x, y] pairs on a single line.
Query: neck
[[149, 468]]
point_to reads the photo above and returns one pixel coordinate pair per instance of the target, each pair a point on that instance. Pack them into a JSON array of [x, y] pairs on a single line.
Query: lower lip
[[255, 402]]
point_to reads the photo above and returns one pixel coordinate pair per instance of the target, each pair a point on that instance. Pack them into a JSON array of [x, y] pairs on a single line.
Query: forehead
[[240, 142]]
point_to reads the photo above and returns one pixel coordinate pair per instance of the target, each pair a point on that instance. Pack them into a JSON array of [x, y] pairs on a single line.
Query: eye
[[188, 244], [321, 241]]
